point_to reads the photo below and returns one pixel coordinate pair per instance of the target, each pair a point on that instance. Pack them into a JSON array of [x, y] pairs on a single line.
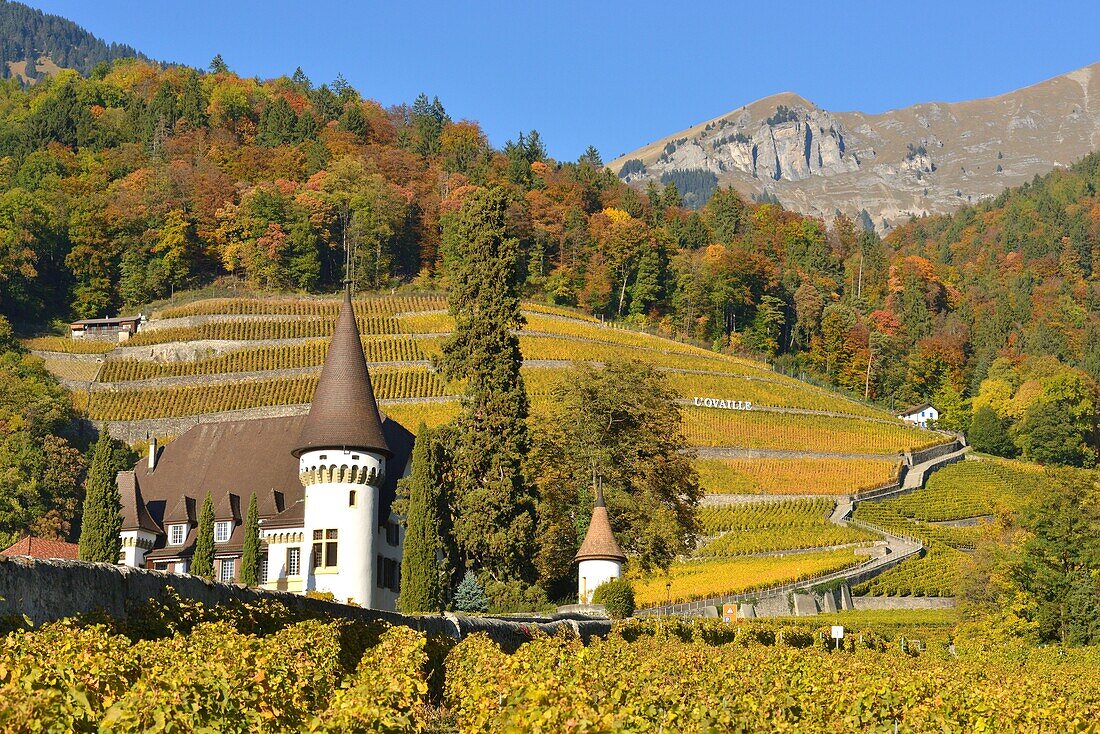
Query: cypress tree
[[423, 578], [202, 560], [250, 555], [99, 530], [494, 508]]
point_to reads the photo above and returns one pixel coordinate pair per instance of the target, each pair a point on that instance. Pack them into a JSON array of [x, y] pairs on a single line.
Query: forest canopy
[[137, 181]]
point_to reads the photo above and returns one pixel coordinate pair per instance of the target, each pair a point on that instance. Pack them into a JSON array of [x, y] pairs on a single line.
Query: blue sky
[[617, 74]]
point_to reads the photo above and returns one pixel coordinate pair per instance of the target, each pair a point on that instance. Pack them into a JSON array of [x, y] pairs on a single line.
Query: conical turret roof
[[344, 413], [599, 542]]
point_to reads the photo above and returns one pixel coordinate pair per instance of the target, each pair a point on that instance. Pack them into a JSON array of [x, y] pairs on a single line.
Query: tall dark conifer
[[425, 567], [250, 554], [202, 560], [495, 518], [99, 531]]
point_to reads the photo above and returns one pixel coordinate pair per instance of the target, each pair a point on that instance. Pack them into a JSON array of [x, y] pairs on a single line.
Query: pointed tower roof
[[599, 542], [344, 413], [135, 516]]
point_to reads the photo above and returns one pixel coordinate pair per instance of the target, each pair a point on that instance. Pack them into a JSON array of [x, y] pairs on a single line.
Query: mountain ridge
[[926, 158], [34, 44]]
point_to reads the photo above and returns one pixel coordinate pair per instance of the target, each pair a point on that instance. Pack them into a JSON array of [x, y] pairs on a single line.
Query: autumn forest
[[137, 181]]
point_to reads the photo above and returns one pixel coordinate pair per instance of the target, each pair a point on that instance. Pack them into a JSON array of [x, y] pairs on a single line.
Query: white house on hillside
[[921, 415]]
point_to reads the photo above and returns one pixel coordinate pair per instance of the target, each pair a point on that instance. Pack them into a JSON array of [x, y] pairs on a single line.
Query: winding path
[[897, 548]]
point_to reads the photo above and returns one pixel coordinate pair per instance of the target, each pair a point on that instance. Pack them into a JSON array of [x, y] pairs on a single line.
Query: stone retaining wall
[[47, 590], [864, 603]]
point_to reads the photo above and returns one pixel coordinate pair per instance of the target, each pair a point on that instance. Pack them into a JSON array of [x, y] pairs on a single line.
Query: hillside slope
[[927, 158], [33, 44], [222, 359]]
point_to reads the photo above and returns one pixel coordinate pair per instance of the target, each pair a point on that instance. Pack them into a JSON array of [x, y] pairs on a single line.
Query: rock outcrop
[[928, 158]]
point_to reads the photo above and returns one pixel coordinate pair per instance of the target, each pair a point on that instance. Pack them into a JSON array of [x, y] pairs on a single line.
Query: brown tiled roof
[[292, 517], [42, 548], [599, 542], [135, 516], [343, 413], [239, 458], [228, 507]]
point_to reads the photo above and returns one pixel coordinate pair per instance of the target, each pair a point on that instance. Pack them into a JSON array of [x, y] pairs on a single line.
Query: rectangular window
[[261, 573], [222, 531], [226, 570], [324, 548], [351, 498], [177, 534], [160, 566], [293, 561], [393, 533], [389, 572]]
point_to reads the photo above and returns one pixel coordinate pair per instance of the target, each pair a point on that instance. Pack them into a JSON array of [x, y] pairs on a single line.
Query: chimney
[[152, 453]]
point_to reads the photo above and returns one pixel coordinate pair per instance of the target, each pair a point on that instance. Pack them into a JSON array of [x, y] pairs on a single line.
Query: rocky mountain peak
[[926, 158]]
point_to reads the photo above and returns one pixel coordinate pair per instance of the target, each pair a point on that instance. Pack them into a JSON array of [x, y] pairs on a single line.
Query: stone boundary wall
[[140, 430], [935, 452], [813, 604], [848, 577], [48, 590], [865, 603]]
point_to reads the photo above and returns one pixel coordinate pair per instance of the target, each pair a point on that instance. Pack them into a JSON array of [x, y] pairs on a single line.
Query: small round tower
[[600, 559], [342, 455]]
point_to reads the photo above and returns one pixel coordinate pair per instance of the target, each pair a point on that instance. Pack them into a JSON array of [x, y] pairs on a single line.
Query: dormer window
[[222, 531], [177, 534]]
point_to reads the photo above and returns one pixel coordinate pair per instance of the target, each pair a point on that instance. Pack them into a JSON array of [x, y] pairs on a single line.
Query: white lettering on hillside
[[724, 404]]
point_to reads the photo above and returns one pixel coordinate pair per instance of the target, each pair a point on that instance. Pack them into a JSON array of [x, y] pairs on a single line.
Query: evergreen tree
[[591, 157], [727, 214], [192, 106], [470, 596], [301, 80], [646, 290], [163, 111], [428, 119], [424, 564], [495, 518], [218, 65], [277, 124], [99, 531], [353, 121], [250, 554], [202, 559]]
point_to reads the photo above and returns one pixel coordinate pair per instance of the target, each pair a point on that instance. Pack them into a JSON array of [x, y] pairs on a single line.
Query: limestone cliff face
[[791, 143], [921, 159]]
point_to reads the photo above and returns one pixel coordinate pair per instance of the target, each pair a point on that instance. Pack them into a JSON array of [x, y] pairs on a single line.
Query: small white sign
[[721, 403], [838, 632]]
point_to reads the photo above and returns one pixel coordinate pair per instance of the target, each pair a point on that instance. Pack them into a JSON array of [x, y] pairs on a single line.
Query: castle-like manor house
[[324, 484]]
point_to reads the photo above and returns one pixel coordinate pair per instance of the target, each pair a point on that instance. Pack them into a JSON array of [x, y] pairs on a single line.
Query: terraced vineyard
[[125, 405], [960, 496], [798, 432], [795, 476], [262, 359], [766, 527], [970, 489], [701, 579], [315, 308], [235, 355]]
